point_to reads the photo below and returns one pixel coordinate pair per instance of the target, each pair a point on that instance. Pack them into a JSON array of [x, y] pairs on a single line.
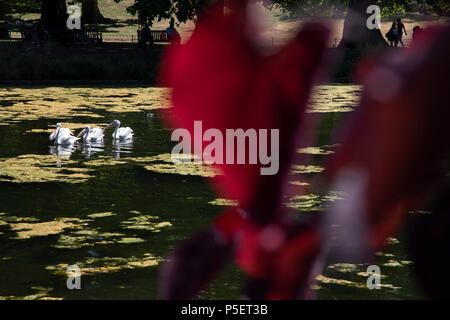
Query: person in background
[[401, 28], [172, 33], [392, 35], [145, 35], [38, 31]]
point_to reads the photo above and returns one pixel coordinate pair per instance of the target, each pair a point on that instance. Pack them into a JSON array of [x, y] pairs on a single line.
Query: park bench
[[83, 36], [14, 36], [157, 35], [26, 33], [94, 35]]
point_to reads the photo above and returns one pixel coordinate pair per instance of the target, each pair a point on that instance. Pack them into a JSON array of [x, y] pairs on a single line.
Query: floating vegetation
[[327, 280], [383, 254], [344, 267], [87, 238], [41, 294], [41, 229], [391, 240], [95, 265], [163, 163], [334, 98], [299, 183], [223, 202], [313, 202], [126, 99], [145, 222], [100, 215], [348, 283], [395, 263], [302, 169], [19, 104], [130, 240], [316, 150], [40, 168], [6, 219], [70, 125]]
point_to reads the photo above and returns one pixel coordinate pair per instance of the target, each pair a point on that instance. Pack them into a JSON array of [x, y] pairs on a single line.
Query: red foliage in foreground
[[395, 143]]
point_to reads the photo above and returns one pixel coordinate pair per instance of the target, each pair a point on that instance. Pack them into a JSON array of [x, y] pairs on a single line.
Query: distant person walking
[[401, 28], [393, 35], [172, 34]]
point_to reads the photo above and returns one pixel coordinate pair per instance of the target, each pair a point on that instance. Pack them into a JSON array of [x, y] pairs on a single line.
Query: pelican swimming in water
[[91, 135], [121, 134], [61, 131], [63, 136]]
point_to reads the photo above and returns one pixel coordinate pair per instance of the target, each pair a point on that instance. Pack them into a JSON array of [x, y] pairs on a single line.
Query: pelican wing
[[65, 132], [67, 140], [125, 133], [95, 134]]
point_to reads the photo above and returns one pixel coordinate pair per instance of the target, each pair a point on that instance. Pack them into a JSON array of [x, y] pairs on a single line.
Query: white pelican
[[91, 135], [120, 134], [62, 132], [63, 136]]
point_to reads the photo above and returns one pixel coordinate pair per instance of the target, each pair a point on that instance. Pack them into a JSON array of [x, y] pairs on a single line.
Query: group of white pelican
[[65, 137]]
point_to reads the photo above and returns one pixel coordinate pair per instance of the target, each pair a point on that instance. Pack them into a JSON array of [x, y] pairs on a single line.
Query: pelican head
[[115, 123], [55, 134], [84, 131]]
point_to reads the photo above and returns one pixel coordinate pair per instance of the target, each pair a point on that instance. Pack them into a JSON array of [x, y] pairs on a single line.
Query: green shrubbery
[[33, 64]]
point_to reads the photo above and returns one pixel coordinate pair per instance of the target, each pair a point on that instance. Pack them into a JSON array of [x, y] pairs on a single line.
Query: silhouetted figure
[[145, 36], [416, 31], [172, 33], [401, 28], [82, 36], [38, 31], [393, 35]]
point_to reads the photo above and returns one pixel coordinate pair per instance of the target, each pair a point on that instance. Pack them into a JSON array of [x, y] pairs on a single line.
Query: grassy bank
[[55, 62]]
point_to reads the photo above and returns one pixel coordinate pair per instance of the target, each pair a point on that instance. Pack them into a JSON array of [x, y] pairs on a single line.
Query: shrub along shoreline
[[53, 62]]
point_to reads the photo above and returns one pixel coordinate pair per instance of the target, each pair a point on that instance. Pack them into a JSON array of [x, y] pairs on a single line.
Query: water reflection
[[88, 149], [62, 151], [121, 147]]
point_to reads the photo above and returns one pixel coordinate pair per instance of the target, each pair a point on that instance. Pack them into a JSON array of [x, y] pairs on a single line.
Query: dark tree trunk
[[356, 34], [54, 14], [204, 10], [91, 12]]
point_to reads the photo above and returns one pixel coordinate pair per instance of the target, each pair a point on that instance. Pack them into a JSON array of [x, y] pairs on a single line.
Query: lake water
[[115, 210]]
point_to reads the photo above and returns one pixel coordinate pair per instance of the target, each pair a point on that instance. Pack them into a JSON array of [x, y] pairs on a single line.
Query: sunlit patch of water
[[41, 168]]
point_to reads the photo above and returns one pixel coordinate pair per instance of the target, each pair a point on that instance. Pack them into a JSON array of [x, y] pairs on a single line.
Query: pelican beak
[[108, 126], [81, 133]]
